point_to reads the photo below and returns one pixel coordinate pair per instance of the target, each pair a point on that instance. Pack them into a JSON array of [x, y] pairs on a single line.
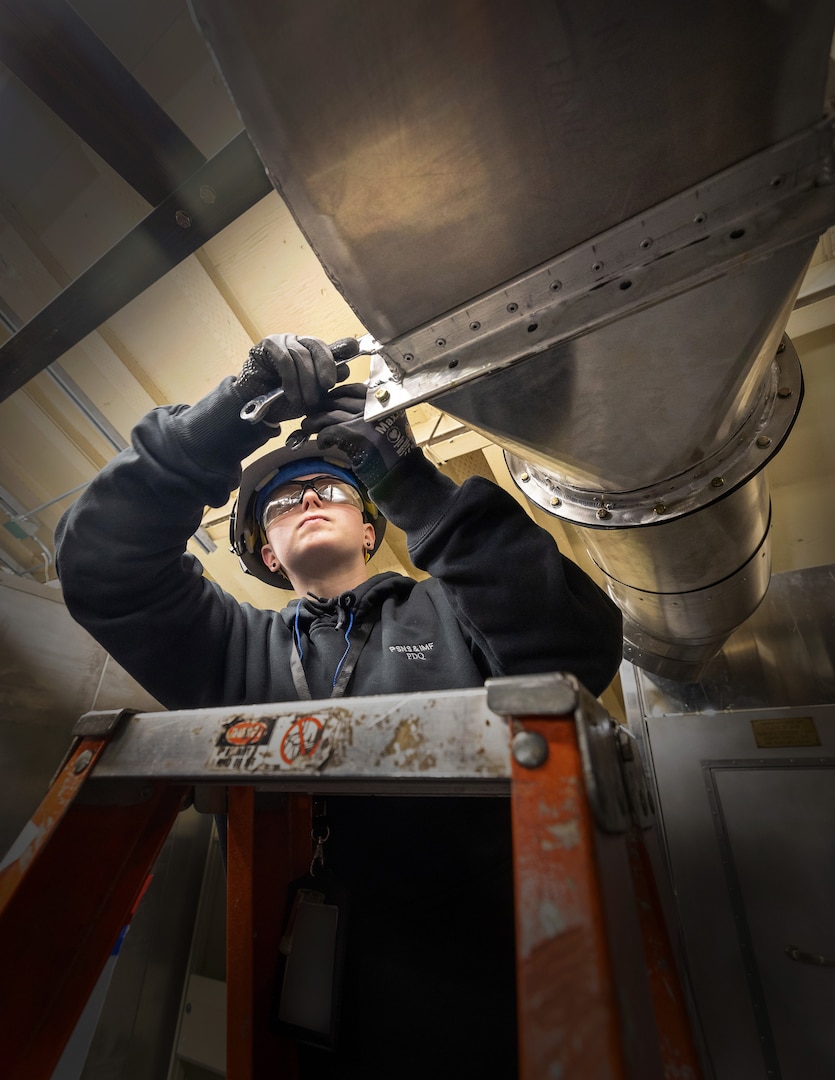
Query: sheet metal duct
[[581, 231]]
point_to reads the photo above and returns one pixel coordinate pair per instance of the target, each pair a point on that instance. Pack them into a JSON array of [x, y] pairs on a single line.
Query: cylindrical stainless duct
[[684, 586], [636, 410], [548, 258], [688, 560], [686, 555]]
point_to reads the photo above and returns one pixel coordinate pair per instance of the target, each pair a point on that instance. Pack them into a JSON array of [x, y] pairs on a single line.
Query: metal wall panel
[[744, 888], [51, 672], [783, 655], [743, 767], [774, 824]]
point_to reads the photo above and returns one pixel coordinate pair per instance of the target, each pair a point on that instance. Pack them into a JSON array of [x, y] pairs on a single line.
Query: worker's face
[[313, 534]]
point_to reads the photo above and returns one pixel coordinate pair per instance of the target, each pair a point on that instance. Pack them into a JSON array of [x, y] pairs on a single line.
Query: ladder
[[596, 975]]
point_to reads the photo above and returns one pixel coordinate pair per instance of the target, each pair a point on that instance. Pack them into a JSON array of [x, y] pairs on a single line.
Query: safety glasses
[[328, 488]]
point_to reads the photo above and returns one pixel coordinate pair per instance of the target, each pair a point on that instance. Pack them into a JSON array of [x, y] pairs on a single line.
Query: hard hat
[[246, 534]]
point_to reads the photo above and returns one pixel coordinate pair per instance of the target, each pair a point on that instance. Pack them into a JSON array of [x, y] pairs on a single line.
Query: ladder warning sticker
[[257, 744], [240, 744], [300, 739], [247, 732]]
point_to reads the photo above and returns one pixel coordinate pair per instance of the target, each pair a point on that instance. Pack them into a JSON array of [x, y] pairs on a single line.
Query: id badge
[[311, 959]]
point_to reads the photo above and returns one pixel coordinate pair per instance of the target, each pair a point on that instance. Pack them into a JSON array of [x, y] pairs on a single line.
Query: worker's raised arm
[[121, 547], [525, 607]]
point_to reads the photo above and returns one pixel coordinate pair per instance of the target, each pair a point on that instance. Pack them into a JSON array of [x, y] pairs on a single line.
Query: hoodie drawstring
[[347, 650], [296, 632], [354, 645]]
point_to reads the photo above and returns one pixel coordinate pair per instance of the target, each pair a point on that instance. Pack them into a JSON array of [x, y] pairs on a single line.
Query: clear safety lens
[[329, 489]]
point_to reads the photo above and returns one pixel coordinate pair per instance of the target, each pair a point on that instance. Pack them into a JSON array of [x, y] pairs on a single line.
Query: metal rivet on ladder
[[82, 762], [530, 749]]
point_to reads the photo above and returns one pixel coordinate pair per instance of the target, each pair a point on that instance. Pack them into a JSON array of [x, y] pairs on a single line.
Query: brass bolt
[[524, 478], [382, 395], [555, 501], [763, 441], [660, 508], [603, 513], [784, 392], [717, 481]]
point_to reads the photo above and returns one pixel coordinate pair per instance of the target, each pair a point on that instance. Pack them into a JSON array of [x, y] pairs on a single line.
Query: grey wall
[[52, 672], [743, 770]]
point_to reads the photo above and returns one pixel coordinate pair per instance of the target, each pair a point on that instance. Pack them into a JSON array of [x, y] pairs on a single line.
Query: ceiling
[[142, 252]]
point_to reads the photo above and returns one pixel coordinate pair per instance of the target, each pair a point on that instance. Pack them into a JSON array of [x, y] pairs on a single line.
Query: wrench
[[344, 349]]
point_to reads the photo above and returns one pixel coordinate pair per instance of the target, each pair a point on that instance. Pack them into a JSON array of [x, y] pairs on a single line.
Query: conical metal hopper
[[579, 229]]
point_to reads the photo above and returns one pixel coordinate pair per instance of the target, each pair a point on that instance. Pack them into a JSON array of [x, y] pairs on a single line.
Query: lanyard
[[361, 635]]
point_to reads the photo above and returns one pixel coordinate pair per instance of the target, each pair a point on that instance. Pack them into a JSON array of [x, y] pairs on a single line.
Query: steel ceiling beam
[[56, 55], [53, 52], [213, 197]]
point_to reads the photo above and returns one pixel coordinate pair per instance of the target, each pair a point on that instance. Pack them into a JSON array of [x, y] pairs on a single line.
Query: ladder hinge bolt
[[530, 749], [82, 762]]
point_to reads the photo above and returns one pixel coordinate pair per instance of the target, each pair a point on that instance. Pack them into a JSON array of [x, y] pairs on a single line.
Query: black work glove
[[374, 447], [304, 368]]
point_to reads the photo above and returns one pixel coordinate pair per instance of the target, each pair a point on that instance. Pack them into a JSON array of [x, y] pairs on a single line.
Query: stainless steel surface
[[256, 409], [680, 524], [769, 209], [652, 480], [506, 203], [483, 139], [443, 742], [687, 558], [533, 695], [446, 742], [687, 553], [688, 584], [369, 346], [783, 655]]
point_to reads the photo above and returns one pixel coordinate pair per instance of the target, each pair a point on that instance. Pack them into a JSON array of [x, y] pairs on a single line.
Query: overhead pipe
[[656, 453], [581, 233]]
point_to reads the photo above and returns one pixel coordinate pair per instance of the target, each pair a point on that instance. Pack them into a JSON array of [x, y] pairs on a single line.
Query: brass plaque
[[786, 731]]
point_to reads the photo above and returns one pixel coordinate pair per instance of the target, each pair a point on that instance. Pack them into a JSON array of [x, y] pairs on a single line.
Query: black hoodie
[[431, 976], [502, 600]]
